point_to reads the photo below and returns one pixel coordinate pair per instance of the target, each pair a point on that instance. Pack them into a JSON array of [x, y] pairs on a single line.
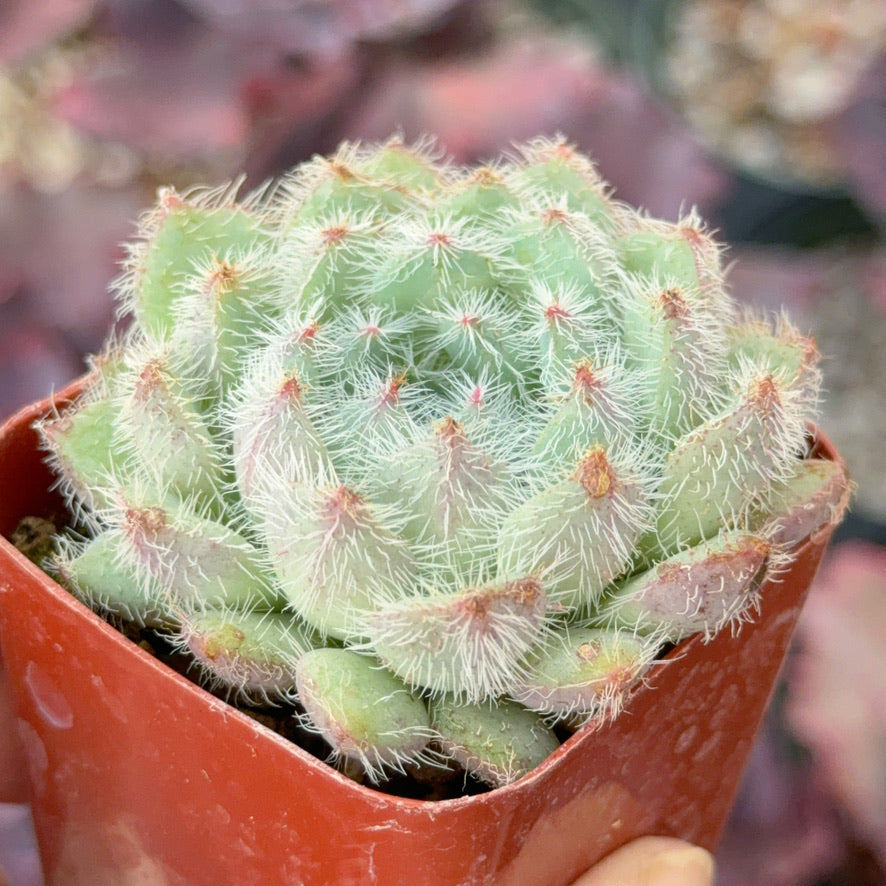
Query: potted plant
[[476, 477]]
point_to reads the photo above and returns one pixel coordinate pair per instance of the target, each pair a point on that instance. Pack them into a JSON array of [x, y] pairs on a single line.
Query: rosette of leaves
[[444, 454]]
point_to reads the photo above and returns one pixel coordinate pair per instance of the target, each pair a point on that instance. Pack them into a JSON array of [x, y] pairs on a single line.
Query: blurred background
[[767, 115]]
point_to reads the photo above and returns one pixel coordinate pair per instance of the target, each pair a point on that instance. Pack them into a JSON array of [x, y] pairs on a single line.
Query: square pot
[[137, 775]]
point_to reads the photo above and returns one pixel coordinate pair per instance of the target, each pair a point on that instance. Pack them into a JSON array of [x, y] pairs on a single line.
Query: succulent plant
[[444, 454]]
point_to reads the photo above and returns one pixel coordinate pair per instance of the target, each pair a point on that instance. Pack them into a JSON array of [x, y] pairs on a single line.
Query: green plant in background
[[446, 454]]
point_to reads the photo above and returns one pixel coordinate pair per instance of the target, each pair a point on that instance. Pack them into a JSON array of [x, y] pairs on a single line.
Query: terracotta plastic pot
[[13, 787], [138, 775]]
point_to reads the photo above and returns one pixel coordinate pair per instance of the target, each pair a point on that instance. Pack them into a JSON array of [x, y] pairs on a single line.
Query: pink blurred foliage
[[526, 86], [772, 277], [320, 26], [190, 90], [193, 79], [476, 105], [295, 110], [837, 682], [179, 101], [33, 362], [54, 273], [59, 263], [861, 141], [784, 830], [19, 862], [26, 25], [161, 83]]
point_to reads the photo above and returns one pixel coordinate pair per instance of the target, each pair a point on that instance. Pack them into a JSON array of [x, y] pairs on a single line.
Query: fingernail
[[686, 866]]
